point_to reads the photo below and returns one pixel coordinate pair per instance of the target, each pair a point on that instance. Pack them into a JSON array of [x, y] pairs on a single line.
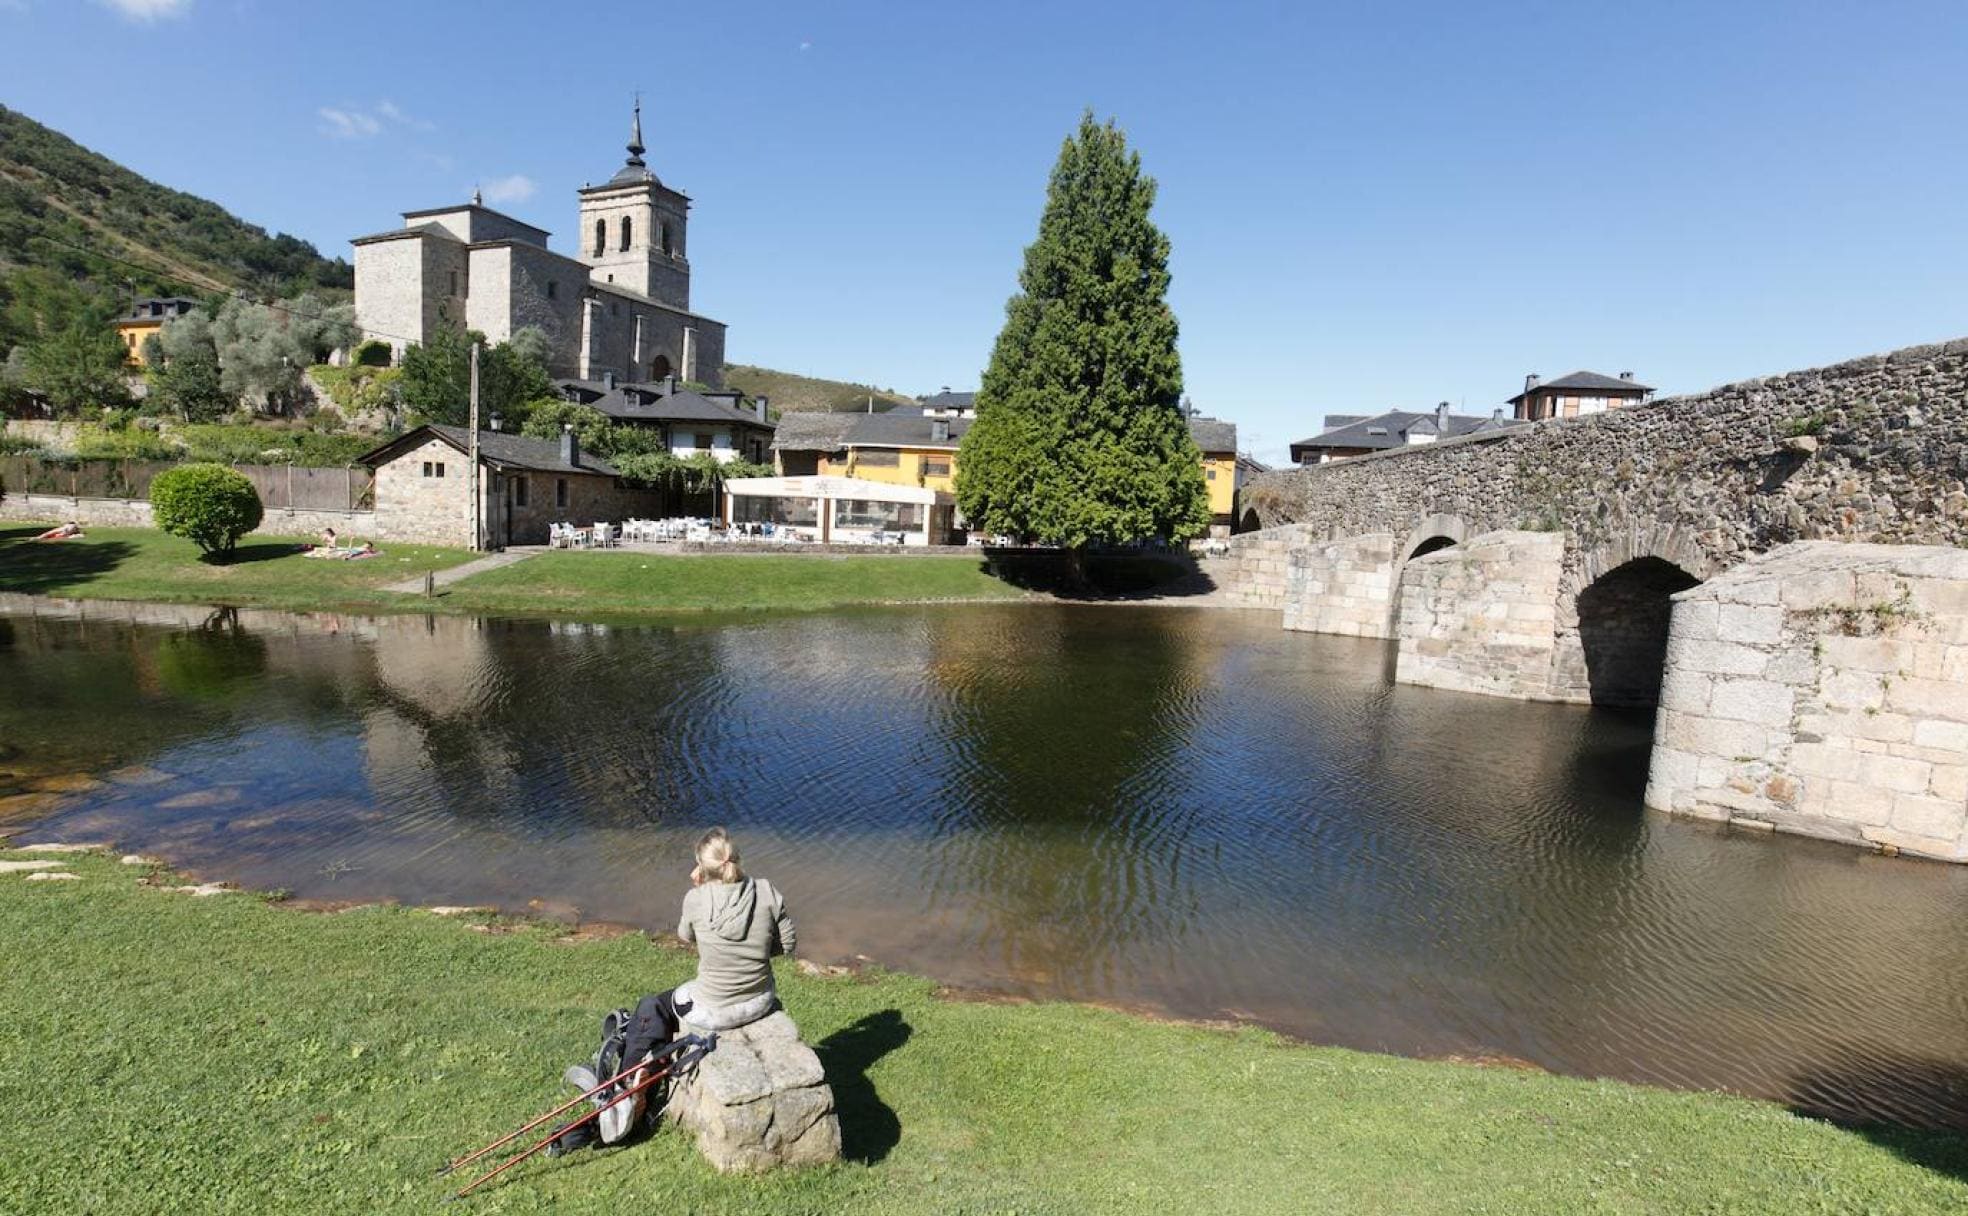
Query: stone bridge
[[1777, 565]]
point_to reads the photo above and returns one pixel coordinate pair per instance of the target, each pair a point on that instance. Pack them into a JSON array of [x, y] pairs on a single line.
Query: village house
[[423, 487], [717, 421], [1576, 394], [145, 318], [917, 446], [1349, 435]]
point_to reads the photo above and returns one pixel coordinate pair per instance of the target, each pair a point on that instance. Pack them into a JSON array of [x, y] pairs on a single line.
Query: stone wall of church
[[518, 285], [614, 342], [389, 290]]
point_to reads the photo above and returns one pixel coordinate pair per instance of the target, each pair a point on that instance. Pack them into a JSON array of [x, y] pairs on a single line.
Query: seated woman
[[328, 539], [737, 924], [67, 531]]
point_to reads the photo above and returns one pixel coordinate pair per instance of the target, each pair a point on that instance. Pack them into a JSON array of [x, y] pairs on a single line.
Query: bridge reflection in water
[[1180, 810]]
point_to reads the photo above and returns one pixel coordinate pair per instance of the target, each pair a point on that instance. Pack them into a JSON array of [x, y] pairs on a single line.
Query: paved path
[[444, 578]]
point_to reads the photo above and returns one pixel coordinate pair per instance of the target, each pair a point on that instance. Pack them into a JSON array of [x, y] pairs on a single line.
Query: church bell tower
[[632, 230]]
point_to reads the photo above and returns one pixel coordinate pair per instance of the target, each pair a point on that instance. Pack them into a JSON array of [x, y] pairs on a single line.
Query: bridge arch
[[1249, 522], [1433, 533], [1614, 605]]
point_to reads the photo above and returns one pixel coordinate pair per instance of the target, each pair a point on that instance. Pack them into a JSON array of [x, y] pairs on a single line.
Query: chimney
[[1530, 382], [939, 431], [570, 447], [758, 405], [1442, 418], [1626, 376], [669, 385], [608, 381], [1496, 415]]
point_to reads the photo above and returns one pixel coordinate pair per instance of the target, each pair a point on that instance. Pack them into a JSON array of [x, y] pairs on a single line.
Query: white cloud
[[347, 124], [355, 122], [516, 188], [148, 10]]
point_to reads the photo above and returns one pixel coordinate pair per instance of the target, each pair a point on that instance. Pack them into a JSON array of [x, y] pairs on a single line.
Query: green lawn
[[624, 582], [165, 1053], [146, 564]]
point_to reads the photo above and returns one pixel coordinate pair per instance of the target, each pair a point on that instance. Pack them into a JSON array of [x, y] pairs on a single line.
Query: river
[[1183, 811]]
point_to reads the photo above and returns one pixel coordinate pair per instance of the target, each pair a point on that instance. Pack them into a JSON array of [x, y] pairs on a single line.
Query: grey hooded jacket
[[737, 928]]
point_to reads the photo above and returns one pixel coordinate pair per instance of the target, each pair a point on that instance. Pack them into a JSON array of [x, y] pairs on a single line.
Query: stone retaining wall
[[135, 513]]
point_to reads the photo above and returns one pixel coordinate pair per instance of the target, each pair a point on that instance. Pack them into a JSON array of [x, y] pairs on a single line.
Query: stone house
[[423, 487]]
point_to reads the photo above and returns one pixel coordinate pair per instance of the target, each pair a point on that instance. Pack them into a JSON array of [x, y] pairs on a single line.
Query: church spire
[[635, 134]]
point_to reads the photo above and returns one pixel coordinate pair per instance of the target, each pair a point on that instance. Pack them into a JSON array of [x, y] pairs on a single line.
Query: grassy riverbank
[[162, 1052], [144, 564]]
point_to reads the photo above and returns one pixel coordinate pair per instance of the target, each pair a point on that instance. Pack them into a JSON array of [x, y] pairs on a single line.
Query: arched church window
[[659, 367], [601, 237], [625, 233]]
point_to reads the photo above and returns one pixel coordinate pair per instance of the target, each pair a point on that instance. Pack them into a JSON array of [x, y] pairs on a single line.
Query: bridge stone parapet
[[1823, 689], [1874, 450]]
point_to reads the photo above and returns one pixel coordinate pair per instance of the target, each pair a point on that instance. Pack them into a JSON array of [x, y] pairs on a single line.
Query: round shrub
[[208, 504]]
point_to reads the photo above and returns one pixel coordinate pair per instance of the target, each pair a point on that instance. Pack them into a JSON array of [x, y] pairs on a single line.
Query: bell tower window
[[625, 233], [666, 237], [601, 237]]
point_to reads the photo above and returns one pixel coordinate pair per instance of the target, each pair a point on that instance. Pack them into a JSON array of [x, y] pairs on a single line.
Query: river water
[[1186, 811]]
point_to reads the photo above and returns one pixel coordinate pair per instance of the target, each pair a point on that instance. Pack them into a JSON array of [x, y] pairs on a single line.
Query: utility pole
[[477, 514]]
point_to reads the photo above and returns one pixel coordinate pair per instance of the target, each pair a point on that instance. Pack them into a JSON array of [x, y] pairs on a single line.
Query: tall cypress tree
[[1080, 438]]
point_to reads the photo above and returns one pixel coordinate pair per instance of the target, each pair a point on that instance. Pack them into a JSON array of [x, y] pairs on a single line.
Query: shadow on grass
[[31, 568], [869, 1129], [1109, 576], [261, 551], [1916, 1109]]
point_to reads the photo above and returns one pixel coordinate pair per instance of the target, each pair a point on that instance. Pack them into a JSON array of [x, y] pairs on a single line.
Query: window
[[560, 492], [1212, 474], [702, 441], [550, 288], [941, 468], [454, 282], [433, 468], [877, 458], [788, 512], [519, 491], [625, 233], [875, 514], [666, 237], [601, 237]]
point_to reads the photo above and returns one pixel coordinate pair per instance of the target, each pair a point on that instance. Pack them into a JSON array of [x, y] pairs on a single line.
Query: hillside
[[53, 187], [791, 393]]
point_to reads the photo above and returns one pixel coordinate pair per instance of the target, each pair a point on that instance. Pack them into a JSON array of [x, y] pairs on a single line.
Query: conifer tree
[[1080, 438]]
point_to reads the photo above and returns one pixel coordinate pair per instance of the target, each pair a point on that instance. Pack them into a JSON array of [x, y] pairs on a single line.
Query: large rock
[[760, 1101]]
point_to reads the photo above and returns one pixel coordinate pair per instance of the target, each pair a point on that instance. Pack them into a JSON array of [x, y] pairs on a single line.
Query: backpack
[[626, 1036]]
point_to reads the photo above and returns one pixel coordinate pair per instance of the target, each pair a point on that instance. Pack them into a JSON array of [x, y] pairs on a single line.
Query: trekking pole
[[680, 1062], [647, 1061]]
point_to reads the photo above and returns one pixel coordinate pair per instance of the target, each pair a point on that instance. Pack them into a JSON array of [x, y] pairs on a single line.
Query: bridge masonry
[[1617, 560]]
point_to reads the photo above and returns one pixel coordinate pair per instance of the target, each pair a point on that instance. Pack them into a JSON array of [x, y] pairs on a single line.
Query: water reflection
[[1186, 810]]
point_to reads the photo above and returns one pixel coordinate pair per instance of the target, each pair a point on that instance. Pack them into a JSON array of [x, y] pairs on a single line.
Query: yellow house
[[910, 447], [145, 318]]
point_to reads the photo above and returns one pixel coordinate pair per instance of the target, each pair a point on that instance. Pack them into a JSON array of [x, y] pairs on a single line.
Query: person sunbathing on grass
[[738, 924], [68, 531]]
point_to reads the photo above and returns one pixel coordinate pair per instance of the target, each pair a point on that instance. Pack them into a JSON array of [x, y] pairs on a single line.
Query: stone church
[[621, 308]]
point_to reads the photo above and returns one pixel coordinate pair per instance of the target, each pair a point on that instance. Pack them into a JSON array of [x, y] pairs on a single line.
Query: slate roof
[[947, 400], [820, 431], [1391, 430], [1213, 434], [649, 401], [494, 447], [1591, 382]]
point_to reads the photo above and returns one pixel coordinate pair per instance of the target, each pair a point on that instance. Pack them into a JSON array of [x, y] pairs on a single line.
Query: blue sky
[[1372, 205]]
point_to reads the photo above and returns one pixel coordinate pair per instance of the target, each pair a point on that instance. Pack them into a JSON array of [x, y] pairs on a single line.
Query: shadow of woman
[[869, 1129]]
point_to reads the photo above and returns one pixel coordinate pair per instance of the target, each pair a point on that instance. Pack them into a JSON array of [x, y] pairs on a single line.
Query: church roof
[[510, 219], [413, 230]]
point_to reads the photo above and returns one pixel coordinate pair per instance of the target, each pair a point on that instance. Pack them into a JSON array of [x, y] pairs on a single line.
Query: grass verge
[[161, 1052], [623, 582]]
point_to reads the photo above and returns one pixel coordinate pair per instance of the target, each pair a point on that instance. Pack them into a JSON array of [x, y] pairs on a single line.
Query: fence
[[281, 486]]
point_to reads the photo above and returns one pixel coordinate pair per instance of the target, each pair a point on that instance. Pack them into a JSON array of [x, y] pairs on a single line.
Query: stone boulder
[[760, 1101]]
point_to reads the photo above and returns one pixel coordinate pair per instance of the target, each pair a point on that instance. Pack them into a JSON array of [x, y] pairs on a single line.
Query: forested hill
[[53, 187], [790, 392]]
